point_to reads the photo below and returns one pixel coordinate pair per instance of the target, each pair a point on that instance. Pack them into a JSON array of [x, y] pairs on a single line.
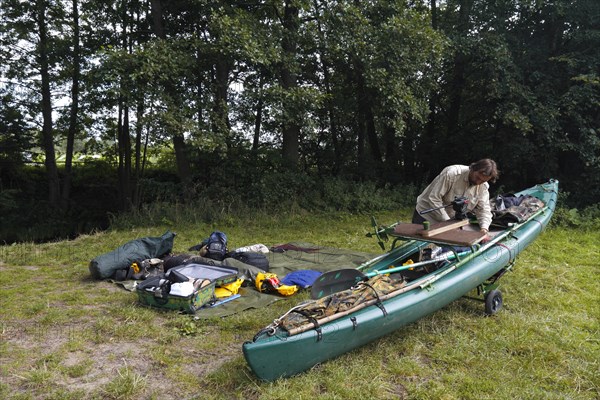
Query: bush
[[273, 192], [361, 197], [224, 185], [26, 215], [588, 218]]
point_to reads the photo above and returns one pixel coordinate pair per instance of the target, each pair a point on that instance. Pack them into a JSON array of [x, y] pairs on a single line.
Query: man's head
[[482, 171]]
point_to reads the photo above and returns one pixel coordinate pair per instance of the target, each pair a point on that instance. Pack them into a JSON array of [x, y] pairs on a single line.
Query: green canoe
[[279, 351]]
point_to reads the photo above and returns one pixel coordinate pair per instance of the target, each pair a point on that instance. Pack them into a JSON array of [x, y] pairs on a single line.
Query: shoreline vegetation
[[26, 217]]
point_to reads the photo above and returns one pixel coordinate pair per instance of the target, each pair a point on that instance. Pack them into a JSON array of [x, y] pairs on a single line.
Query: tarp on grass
[[297, 256], [286, 258]]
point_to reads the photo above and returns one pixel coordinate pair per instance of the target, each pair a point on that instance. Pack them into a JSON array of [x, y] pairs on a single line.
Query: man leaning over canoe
[[459, 181]]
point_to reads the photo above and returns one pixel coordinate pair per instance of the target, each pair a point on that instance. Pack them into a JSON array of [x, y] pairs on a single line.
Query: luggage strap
[[378, 303], [312, 320]]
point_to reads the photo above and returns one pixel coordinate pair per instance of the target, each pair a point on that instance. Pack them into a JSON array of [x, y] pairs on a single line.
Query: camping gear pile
[[188, 282]]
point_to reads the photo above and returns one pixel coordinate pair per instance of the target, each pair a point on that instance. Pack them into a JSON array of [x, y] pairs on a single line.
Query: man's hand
[[486, 238]]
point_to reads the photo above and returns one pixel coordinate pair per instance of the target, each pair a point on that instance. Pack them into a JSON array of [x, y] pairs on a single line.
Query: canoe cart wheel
[[493, 302]]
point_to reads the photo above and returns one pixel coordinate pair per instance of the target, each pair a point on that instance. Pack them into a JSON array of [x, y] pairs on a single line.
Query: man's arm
[[483, 210], [432, 197]]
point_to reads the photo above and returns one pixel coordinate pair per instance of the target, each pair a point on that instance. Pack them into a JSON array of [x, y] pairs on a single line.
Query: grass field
[[66, 336]]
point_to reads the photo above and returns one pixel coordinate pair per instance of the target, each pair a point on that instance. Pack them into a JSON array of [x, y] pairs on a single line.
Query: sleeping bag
[[105, 265]]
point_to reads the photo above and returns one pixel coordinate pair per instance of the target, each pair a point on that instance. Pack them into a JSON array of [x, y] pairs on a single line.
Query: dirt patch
[[106, 362], [89, 367], [399, 392], [70, 335]]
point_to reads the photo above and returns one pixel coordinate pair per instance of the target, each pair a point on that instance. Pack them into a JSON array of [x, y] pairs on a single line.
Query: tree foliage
[[389, 90]]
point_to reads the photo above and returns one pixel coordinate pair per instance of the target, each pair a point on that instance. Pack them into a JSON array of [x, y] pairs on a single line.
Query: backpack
[[258, 260], [216, 246]]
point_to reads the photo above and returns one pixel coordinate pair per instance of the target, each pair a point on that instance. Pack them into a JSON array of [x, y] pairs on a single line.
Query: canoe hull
[[281, 355]]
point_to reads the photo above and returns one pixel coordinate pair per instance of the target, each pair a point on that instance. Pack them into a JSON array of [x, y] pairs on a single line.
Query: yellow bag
[[229, 289], [286, 290], [267, 282]]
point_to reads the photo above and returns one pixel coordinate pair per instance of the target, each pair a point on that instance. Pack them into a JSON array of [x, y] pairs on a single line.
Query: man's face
[[478, 177]]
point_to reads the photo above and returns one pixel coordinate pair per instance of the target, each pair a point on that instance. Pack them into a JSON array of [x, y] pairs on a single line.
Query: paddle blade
[[335, 281]]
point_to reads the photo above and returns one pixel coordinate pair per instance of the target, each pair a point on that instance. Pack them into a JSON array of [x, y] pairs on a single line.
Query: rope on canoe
[[271, 329]]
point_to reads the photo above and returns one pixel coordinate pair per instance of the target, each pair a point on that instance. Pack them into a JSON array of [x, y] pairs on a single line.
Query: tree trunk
[[199, 86], [289, 83], [428, 140], [360, 142], [123, 125], [391, 169], [333, 130], [360, 126], [137, 173], [124, 146], [258, 118], [47, 134], [434, 14], [221, 124], [371, 131], [364, 103], [157, 23], [409, 156], [458, 72], [183, 164], [73, 121]]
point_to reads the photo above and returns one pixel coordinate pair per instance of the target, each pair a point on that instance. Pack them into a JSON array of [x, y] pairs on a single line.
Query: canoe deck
[[456, 236]]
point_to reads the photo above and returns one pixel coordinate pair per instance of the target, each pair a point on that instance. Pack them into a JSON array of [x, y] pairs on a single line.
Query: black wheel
[[493, 302]]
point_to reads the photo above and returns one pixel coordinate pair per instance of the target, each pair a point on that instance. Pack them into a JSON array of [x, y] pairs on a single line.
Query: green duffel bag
[[105, 265]]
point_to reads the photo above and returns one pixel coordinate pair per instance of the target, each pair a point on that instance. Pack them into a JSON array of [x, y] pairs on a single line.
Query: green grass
[[63, 335]]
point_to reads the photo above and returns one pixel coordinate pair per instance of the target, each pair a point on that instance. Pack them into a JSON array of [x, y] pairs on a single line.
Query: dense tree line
[[384, 90]]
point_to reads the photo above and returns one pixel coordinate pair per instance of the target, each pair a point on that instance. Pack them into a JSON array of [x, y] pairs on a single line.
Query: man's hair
[[487, 167]]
